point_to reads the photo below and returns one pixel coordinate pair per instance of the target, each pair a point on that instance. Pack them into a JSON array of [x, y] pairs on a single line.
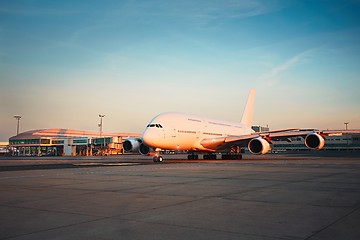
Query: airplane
[[185, 132]]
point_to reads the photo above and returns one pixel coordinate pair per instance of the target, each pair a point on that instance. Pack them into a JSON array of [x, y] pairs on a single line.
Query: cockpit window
[[155, 125]]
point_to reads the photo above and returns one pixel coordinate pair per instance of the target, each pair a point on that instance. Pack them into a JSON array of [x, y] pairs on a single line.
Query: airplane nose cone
[[148, 138]]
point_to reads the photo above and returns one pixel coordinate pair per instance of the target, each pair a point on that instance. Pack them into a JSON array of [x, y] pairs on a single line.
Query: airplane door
[[174, 133], [197, 134]]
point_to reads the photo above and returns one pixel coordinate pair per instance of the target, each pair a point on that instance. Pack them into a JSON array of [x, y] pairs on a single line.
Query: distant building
[[260, 128], [341, 142], [4, 148], [66, 142]]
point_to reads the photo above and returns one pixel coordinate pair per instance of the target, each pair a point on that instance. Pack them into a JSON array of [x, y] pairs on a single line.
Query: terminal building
[[4, 148], [341, 142], [66, 142]]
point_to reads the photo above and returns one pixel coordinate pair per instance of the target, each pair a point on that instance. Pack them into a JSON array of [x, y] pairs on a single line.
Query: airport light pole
[[101, 123], [347, 136], [101, 127], [17, 117]]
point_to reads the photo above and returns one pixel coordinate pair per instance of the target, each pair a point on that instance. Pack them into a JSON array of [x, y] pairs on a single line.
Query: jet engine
[[143, 149], [314, 141], [132, 144], [135, 145], [258, 146]]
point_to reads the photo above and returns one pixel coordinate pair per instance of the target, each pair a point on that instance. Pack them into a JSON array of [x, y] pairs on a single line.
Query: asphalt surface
[[306, 196]]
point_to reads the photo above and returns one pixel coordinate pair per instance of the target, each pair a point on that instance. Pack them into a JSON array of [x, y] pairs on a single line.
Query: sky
[[62, 63]]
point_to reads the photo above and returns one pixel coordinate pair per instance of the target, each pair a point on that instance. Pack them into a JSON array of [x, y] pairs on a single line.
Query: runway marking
[[105, 164]]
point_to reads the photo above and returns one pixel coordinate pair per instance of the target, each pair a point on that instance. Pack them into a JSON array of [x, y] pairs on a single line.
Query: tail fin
[[249, 108]]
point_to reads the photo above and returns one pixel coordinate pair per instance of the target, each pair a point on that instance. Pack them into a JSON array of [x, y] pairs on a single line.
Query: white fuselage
[[176, 131]]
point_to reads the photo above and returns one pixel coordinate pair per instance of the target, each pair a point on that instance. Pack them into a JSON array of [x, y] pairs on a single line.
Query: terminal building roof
[[65, 133]]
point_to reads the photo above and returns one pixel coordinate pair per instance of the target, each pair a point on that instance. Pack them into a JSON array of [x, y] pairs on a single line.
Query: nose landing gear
[[157, 157]]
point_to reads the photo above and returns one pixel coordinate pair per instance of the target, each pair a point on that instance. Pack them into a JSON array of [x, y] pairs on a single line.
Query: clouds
[[273, 76]]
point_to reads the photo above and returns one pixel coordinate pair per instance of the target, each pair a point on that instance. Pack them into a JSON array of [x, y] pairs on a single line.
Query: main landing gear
[[231, 156], [158, 158], [223, 156], [209, 156], [234, 154], [193, 156]]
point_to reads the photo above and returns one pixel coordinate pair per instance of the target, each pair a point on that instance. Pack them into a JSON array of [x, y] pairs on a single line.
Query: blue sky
[[64, 62]]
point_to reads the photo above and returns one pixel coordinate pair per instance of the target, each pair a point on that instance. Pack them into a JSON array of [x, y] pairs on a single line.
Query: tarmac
[[297, 196]]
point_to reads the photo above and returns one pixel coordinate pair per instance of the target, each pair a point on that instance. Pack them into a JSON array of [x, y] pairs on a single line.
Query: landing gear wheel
[[158, 159], [193, 157], [231, 157], [210, 157]]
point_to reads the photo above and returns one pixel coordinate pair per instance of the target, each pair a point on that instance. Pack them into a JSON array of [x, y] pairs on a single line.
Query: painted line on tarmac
[[105, 164]]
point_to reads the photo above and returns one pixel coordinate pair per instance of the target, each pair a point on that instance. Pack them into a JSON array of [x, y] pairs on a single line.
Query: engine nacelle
[[131, 145], [314, 141], [144, 150], [258, 146], [136, 145]]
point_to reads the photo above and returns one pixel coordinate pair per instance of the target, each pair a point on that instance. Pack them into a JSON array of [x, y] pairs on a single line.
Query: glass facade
[[80, 141], [99, 141], [45, 141], [57, 142], [24, 141]]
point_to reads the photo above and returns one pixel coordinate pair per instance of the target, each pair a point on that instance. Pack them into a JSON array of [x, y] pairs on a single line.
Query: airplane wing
[[277, 135], [282, 135], [340, 132], [243, 140], [225, 142]]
